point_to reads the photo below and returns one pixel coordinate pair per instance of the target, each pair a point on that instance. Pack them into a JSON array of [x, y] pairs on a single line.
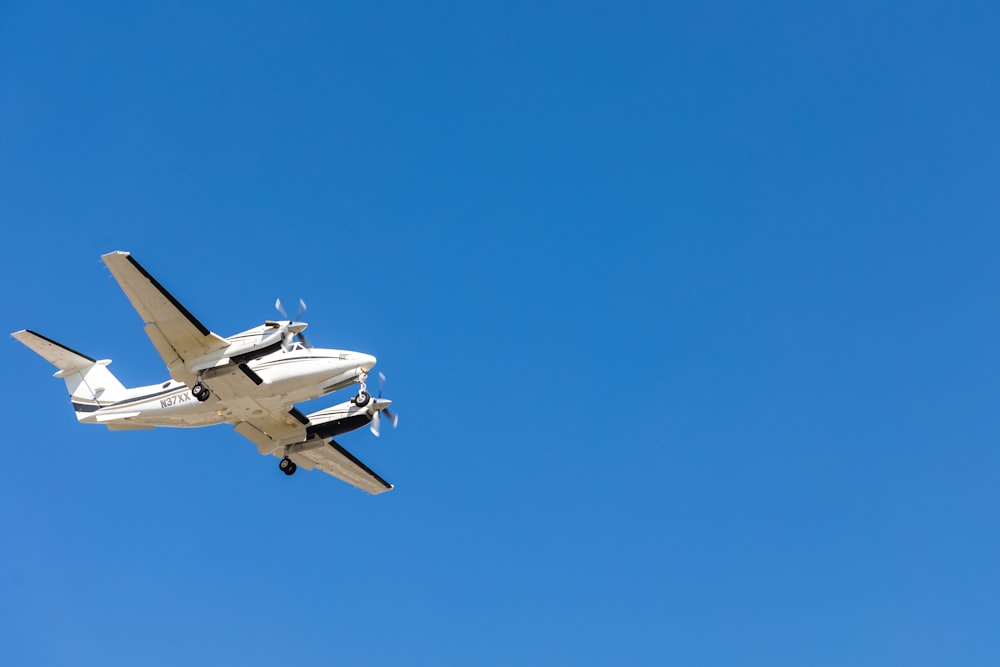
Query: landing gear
[[200, 392], [287, 466], [361, 400]]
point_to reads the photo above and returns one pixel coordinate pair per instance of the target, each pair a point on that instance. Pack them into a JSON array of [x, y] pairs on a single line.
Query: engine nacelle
[[344, 417]]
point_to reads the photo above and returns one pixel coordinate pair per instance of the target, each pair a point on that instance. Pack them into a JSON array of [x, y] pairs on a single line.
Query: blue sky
[[689, 313]]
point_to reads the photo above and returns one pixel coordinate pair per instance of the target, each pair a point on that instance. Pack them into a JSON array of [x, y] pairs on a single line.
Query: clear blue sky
[[690, 314]]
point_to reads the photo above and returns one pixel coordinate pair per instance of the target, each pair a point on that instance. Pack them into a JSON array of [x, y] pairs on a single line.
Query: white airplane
[[251, 380]]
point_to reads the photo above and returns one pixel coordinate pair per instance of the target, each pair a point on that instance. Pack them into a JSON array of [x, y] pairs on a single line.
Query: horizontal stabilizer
[[128, 426], [58, 355], [116, 416], [89, 382]]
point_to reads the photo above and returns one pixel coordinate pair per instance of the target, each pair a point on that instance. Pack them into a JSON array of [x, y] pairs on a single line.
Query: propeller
[[382, 405], [281, 309], [289, 335]]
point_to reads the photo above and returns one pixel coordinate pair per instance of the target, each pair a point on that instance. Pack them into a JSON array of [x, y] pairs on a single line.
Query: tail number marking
[[182, 397]]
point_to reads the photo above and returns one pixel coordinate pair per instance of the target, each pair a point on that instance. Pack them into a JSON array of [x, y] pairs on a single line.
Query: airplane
[[251, 380]]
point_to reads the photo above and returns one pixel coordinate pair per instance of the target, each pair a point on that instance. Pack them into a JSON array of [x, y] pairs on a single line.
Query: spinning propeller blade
[[298, 316], [376, 425], [289, 336]]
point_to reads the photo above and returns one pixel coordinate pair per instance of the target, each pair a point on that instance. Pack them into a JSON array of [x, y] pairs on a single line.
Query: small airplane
[[251, 380]]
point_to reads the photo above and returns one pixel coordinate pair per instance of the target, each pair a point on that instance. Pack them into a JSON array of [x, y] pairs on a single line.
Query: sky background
[[690, 314]]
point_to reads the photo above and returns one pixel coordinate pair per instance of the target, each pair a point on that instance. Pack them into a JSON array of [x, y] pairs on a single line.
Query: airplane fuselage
[[286, 376]]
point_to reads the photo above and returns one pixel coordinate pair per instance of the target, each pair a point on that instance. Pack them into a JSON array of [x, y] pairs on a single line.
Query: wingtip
[[25, 335]]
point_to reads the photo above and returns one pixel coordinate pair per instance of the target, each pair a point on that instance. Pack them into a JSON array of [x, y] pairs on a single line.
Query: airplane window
[[166, 384]]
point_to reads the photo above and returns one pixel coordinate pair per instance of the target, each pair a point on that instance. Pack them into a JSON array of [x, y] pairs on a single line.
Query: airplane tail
[[89, 382]]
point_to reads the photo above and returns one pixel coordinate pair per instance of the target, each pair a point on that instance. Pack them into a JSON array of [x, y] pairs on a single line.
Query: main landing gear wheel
[[200, 392], [287, 466]]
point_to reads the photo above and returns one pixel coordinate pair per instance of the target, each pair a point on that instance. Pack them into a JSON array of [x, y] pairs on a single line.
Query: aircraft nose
[[366, 361]]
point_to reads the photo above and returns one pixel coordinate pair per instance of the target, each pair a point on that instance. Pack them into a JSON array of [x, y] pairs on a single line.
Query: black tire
[[203, 396], [285, 464], [361, 400], [291, 469], [197, 390]]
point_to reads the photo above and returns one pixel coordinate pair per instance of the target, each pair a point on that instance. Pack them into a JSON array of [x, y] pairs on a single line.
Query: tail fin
[[89, 382]]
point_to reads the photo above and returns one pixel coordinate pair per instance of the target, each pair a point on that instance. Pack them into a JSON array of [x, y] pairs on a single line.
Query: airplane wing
[[337, 461], [175, 333], [271, 434]]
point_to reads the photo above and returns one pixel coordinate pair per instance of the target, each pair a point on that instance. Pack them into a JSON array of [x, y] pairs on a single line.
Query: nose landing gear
[[361, 400]]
